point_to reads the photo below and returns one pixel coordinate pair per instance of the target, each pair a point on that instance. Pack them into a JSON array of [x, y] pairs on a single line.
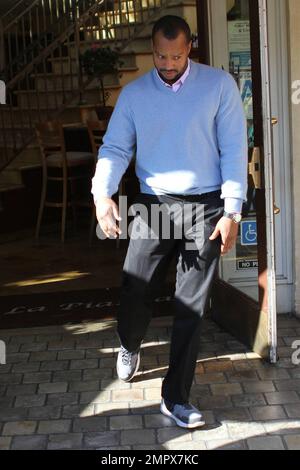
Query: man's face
[[170, 56]]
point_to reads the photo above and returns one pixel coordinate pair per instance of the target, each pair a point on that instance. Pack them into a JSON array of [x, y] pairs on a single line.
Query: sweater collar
[[180, 80]]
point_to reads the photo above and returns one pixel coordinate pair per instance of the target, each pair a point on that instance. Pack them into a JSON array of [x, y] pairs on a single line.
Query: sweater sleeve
[[116, 151], [233, 145]]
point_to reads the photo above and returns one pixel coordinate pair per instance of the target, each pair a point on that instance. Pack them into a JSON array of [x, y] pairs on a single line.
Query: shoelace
[[126, 356]]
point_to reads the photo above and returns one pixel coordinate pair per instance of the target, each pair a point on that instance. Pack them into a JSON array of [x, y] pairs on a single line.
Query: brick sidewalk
[[59, 390]]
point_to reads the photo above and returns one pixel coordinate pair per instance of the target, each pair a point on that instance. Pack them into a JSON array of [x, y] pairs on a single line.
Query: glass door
[[237, 37]]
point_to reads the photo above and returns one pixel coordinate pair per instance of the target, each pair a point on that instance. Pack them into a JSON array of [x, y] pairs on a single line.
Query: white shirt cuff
[[232, 204]]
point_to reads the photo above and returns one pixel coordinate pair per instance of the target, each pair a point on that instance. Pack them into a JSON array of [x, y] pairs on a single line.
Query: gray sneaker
[[185, 416], [127, 364]]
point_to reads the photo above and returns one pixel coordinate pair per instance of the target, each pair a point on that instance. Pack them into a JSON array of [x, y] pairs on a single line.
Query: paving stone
[[54, 387], [226, 389], [22, 339], [238, 430], [109, 384], [75, 411], [234, 414], [54, 366], [67, 375], [63, 399], [217, 366], [282, 398], [225, 444], [111, 409], [43, 356], [19, 428], [125, 422], [242, 376], [33, 347], [5, 443], [5, 368], [10, 379], [136, 437], [27, 401], [13, 414], [95, 397], [127, 395], [292, 441], [256, 387], [209, 432], [84, 364], [152, 394], [115, 448], [36, 377], [61, 345], [47, 338], [16, 358], [294, 373], [54, 426], [108, 362], [293, 411], [214, 402], [265, 413], [210, 378], [198, 391], [44, 412], [90, 424], [292, 384], [6, 402], [29, 443], [265, 443], [98, 439], [271, 374], [65, 441], [282, 427], [247, 400], [186, 446], [91, 385], [16, 390], [28, 367], [73, 354], [158, 421], [93, 374]]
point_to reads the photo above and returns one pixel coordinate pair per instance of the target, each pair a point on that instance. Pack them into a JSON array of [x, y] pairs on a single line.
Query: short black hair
[[171, 26]]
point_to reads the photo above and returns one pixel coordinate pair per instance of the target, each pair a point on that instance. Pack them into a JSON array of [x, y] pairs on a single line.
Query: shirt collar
[[180, 80]]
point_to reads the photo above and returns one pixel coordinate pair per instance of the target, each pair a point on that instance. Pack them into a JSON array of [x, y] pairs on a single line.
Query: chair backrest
[[96, 131], [50, 138]]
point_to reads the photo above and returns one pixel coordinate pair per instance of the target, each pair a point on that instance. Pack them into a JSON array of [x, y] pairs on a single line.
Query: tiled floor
[[59, 390]]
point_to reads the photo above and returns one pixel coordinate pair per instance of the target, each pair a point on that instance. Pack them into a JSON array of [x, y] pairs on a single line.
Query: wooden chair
[[96, 131], [50, 138]]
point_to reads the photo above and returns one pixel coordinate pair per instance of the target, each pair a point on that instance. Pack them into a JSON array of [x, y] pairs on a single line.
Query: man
[[186, 124]]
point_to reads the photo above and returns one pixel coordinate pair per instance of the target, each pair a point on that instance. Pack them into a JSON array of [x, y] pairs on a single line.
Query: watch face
[[237, 217]]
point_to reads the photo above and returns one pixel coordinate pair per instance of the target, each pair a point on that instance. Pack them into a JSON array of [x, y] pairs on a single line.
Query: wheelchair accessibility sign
[[248, 232]]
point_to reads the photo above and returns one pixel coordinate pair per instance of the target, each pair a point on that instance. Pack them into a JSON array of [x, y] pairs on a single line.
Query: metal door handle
[[254, 167]]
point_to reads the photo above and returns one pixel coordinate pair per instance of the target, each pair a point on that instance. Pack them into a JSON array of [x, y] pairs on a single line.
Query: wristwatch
[[235, 216]]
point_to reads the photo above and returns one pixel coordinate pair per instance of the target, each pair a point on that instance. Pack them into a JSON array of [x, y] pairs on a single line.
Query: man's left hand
[[228, 230]]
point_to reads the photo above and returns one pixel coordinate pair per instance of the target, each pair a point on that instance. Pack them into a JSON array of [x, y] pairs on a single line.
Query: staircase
[[47, 82]]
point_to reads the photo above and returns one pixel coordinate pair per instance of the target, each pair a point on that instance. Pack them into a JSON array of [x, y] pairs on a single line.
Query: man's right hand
[[107, 213]]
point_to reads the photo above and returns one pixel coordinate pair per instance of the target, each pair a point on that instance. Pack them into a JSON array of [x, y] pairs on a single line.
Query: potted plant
[[99, 61]]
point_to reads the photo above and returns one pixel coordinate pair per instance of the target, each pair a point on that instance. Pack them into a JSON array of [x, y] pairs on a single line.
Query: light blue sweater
[[189, 142]]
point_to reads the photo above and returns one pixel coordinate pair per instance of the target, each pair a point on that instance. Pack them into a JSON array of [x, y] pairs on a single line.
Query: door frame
[[252, 322]]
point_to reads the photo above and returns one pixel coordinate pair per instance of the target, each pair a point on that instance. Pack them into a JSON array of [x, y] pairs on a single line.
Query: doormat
[[58, 308]]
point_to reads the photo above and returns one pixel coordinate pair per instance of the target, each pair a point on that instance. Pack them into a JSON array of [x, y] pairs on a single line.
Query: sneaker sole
[[135, 371], [164, 410]]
